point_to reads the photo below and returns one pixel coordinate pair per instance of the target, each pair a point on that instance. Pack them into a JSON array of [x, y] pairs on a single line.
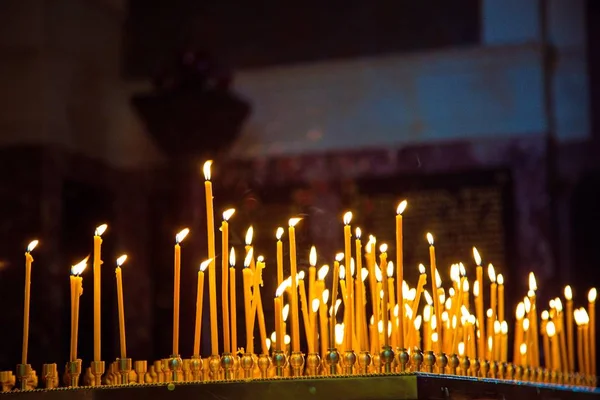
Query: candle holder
[[6, 380], [23, 375], [465, 364], [539, 375], [236, 366], [510, 371], [214, 367], [279, 360], [164, 363], [553, 377], [348, 361], [453, 363], [227, 366], [402, 359], [332, 359], [187, 372], [485, 369], [124, 368], [50, 376], [364, 360], [527, 373], [247, 364], [97, 368], [312, 364], [73, 371], [387, 356], [196, 368], [140, 368], [442, 362], [502, 367], [417, 360], [297, 363], [175, 368], [429, 361], [493, 369], [376, 363], [475, 367], [264, 362], [519, 373]]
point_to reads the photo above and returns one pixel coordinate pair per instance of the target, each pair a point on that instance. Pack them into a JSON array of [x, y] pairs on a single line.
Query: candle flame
[[232, 257], [504, 327], [334, 309], [390, 269], [592, 294], [342, 272], [476, 256], [363, 274], [279, 233], [411, 294], [438, 279], [352, 267], [312, 258], [293, 221], [530, 293], [300, 276], [585, 318], [551, 303], [545, 315], [550, 329], [274, 336], [500, 279], [268, 341], [427, 313], [101, 229], [181, 235], [322, 273], [497, 327], [532, 282], [32, 245], [527, 303], [430, 238], [287, 340], [418, 321], [464, 311], [339, 333], [383, 248], [370, 243], [490, 343], [249, 235], [476, 288], [121, 260], [285, 312], [558, 304], [228, 213], [492, 273], [523, 349], [451, 292], [378, 274], [466, 285], [282, 287], [315, 305], [204, 264], [248, 259], [408, 311], [526, 324], [462, 269], [347, 218], [461, 349], [358, 233], [401, 207], [78, 268], [568, 293], [454, 273], [489, 313], [434, 336], [206, 169], [325, 296], [577, 316], [428, 298], [339, 257], [422, 269]]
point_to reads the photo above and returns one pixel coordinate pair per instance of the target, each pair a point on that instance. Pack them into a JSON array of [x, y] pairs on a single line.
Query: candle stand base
[[348, 361], [475, 368], [313, 361], [264, 362], [175, 368], [50, 376], [236, 366], [97, 368], [502, 370], [297, 363], [73, 371], [214, 367], [494, 370], [484, 369], [196, 368], [227, 366], [442, 363], [247, 364], [124, 367], [23, 376], [332, 360], [376, 363], [465, 365], [387, 356], [417, 360], [141, 368], [453, 363], [510, 371], [402, 359], [7, 380], [364, 360], [429, 361], [279, 361]]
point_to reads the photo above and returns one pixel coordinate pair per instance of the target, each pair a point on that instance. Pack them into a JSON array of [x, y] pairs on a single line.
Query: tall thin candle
[[294, 297], [121, 306], [493, 292], [249, 317], [177, 288], [232, 301], [592, 294], [500, 281], [436, 301], [199, 305], [76, 291], [97, 288], [28, 262], [400, 270], [570, 343], [225, 279], [478, 293], [350, 281], [334, 291], [278, 235], [212, 279]]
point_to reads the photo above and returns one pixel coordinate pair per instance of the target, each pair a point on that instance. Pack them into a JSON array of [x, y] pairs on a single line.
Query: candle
[[177, 289], [28, 262], [121, 306], [323, 322], [313, 315], [304, 307], [580, 357], [212, 280], [76, 291], [97, 287], [349, 306], [436, 302], [294, 297], [504, 342], [384, 286], [249, 320], [500, 281], [400, 269], [199, 305], [334, 290], [257, 304], [278, 318], [560, 334], [585, 319], [420, 285], [225, 278], [546, 340], [592, 294], [570, 344], [535, 350], [248, 241], [278, 235], [518, 339], [478, 293], [312, 274], [493, 292], [233, 301], [551, 332]]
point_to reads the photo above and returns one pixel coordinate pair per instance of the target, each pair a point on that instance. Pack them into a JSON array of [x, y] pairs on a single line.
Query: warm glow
[[293, 221], [268, 343], [558, 304], [500, 279], [550, 329], [383, 248], [401, 207], [462, 269], [461, 348], [577, 316], [408, 311], [370, 244], [312, 257], [248, 259], [390, 269], [492, 273], [206, 169], [489, 313], [121, 260], [232, 257], [78, 268], [358, 233], [472, 319], [181, 235], [442, 295], [526, 324], [287, 340], [315, 305], [545, 315], [347, 218], [551, 303], [417, 322], [228, 213], [342, 272], [274, 336], [427, 312], [448, 304], [438, 279], [205, 264], [428, 298], [490, 343], [32, 245], [322, 273], [434, 337], [451, 292], [454, 273], [325, 296], [476, 288], [378, 274], [300, 276], [422, 269], [527, 303], [497, 327], [279, 233], [339, 333], [433, 322], [465, 311], [585, 318], [339, 257], [532, 282], [101, 229], [411, 294], [285, 312], [592, 294], [363, 274], [352, 267], [465, 286], [568, 293], [334, 309], [476, 256], [523, 349], [430, 238], [504, 327], [249, 236]]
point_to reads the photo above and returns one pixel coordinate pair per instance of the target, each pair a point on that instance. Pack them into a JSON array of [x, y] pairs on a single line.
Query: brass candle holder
[[376, 363], [7, 380], [484, 369], [141, 368], [196, 366], [475, 367], [23, 375], [364, 360], [502, 366], [50, 376], [348, 361], [247, 364], [227, 366], [402, 359], [527, 374], [453, 363], [236, 366], [73, 371], [214, 367], [429, 361], [493, 370], [124, 367], [264, 362], [279, 361], [186, 369], [417, 360], [175, 368], [297, 363], [332, 360], [387, 356], [510, 371], [442, 363], [465, 364], [97, 368]]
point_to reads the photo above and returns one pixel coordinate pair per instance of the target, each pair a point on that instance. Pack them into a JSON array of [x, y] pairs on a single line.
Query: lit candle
[[249, 320], [177, 289], [546, 340], [400, 269], [580, 356], [28, 262], [436, 301], [385, 300], [76, 291], [312, 274], [313, 321], [121, 306], [392, 303], [278, 235], [586, 341], [323, 322], [334, 291], [504, 343], [212, 279], [257, 304], [294, 297], [420, 285], [535, 350], [551, 332], [304, 308], [493, 291], [490, 330], [560, 334], [278, 316], [519, 314], [233, 301], [248, 241], [478, 293], [349, 306], [500, 280], [199, 304], [570, 344], [97, 287], [224, 278], [592, 294]]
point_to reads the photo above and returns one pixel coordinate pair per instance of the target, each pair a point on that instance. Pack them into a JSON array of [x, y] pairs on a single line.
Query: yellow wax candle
[[225, 278], [391, 303], [535, 350], [504, 343], [500, 281], [334, 292], [400, 270], [436, 301], [427, 329], [493, 291], [313, 322], [560, 333], [278, 235], [233, 302], [592, 294], [278, 323], [478, 293], [420, 285], [551, 332], [312, 274], [257, 304], [580, 357], [305, 312], [212, 279], [570, 344], [294, 297], [121, 306], [77, 289], [586, 342], [199, 305], [546, 340], [323, 322], [349, 336], [518, 339], [490, 330], [247, 276], [177, 288], [97, 288], [384, 286], [28, 261]]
